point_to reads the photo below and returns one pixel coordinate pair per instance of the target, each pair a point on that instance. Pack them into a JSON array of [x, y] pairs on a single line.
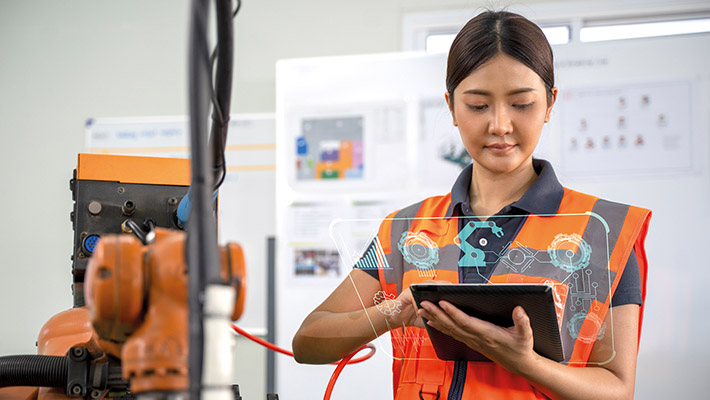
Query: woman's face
[[500, 109]]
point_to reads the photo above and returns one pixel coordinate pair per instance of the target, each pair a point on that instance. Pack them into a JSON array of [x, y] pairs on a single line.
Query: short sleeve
[[629, 289]]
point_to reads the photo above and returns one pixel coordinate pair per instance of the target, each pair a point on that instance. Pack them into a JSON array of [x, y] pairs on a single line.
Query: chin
[[501, 165]]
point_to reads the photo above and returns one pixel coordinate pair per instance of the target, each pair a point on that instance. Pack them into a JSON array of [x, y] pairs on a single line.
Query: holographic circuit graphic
[[573, 261]]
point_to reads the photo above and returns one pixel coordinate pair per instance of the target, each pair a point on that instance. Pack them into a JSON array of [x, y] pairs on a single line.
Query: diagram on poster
[[330, 148], [644, 128], [346, 147]]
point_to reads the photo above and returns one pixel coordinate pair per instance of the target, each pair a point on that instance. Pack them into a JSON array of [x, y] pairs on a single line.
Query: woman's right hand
[[407, 315]]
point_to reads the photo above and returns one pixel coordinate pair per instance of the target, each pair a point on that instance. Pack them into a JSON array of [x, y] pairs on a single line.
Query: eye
[[524, 106], [477, 108]]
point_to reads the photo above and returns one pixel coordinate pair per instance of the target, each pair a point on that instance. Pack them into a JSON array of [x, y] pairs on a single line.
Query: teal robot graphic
[[473, 256]]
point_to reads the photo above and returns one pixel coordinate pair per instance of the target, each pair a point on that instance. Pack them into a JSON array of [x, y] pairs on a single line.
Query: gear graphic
[[387, 303], [569, 252], [574, 325], [518, 259], [418, 249]]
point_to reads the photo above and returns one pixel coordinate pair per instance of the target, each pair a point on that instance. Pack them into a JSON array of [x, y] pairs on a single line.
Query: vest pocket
[[422, 371]]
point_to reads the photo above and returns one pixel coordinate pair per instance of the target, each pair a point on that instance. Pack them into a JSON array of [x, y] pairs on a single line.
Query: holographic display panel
[[569, 252]]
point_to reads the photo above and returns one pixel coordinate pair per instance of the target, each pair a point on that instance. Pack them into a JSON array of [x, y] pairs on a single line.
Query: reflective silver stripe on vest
[[614, 214], [400, 223]]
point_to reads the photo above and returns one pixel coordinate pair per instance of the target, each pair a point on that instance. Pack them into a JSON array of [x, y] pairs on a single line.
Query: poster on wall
[[145, 136], [348, 146], [329, 237], [628, 129], [313, 258], [330, 148]]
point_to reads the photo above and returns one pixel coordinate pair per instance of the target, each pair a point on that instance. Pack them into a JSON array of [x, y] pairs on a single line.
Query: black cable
[[34, 370], [222, 90], [213, 57], [148, 225], [236, 10], [149, 229], [201, 246], [140, 234]]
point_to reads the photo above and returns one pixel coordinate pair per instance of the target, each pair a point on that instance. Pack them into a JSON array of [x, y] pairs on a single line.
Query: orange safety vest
[[550, 249]]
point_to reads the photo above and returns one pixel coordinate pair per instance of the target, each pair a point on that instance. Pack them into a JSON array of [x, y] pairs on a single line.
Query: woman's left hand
[[511, 348]]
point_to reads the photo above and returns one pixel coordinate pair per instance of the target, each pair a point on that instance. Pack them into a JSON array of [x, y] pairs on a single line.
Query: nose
[[500, 123]]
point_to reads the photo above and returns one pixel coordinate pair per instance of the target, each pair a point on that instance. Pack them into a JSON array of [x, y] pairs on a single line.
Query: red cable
[[278, 349], [341, 364], [261, 341]]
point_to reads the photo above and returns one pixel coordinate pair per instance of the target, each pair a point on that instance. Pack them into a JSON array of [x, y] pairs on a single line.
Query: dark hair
[[493, 32]]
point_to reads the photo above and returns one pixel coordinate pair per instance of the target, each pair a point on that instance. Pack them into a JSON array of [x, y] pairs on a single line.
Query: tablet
[[494, 303]]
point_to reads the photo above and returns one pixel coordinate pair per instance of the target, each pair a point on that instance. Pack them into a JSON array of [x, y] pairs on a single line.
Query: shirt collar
[[542, 197]]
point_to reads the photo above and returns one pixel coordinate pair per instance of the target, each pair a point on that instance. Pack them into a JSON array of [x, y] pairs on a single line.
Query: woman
[[500, 91]]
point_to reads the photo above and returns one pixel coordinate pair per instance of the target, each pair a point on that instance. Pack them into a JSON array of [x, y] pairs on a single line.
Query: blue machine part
[[89, 244], [183, 210]]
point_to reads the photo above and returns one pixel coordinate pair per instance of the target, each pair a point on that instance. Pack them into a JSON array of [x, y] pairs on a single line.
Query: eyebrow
[[487, 93]]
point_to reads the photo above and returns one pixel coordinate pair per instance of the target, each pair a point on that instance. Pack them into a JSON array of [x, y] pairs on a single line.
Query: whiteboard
[[673, 349], [246, 199]]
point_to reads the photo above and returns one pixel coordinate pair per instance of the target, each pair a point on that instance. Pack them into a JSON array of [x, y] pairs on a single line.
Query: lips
[[500, 148]]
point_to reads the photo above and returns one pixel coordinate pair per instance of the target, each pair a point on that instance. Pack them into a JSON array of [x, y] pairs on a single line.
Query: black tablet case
[[494, 303]]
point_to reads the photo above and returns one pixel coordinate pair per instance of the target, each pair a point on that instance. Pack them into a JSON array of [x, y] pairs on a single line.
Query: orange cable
[[341, 364]]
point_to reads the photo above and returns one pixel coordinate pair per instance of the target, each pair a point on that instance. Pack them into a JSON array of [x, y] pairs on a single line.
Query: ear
[[552, 103], [450, 103]]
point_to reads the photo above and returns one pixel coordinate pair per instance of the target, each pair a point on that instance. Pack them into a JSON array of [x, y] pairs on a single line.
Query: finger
[[423, 313], [522, 322], [437, 318], [425, 303], [434, 312], [438, 282]]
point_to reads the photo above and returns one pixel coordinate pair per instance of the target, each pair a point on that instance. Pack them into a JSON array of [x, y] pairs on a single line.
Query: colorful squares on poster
[[330, 148]]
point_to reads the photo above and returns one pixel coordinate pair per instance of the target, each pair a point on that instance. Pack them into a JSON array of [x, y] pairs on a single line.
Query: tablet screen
[[495, 304]]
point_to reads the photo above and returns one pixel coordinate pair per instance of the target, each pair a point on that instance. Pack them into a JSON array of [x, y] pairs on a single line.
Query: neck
[[490, 191]]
